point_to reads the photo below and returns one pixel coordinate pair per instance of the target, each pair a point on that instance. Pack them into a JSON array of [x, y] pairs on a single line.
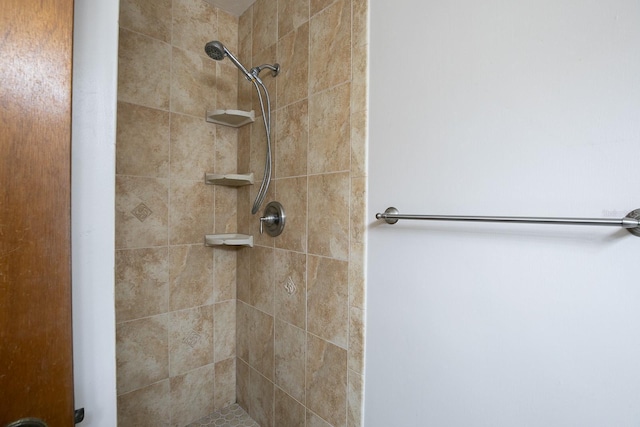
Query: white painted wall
[[93, 208], [500, 107]]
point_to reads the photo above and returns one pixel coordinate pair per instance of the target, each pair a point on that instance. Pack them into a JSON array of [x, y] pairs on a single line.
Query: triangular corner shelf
[[233, 118], [229, 179], [228, 240]]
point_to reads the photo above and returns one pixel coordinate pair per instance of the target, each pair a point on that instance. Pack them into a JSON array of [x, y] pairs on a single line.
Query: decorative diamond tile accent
[[141, 212], [290, 287], [231, 416], [192, 339]]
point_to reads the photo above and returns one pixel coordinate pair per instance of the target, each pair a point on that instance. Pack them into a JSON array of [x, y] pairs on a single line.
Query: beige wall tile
[[245, 33], [356, 339], [262, 279], [288, 412], [292, 140], [261, 399], [141, 212], [225, 383], [314, 420], [355, 394], [327, 380], [193, 83], [358, 209], [224, 274], [290, 278], [243, 332], [329, 215], [327, 299], [356, 275], [360, 16], [243, 281], [228, 30], [144, 66], [244, 146], [190, 339], [226, 85], [142, 283], [191, 276], [149, 17], [293, 57], [359, 144], [142, 141], [290, 347], [329, 131], [292, 193], [242, 384], [291, 15], [226, 151], [261, 342], [318, 5], [193, 143], [195, 22], [226, 205], [147, 407], [359, 92], [192, 212], [224, 330], [330, 46], [265, 29], [192, 395], [141, 353]]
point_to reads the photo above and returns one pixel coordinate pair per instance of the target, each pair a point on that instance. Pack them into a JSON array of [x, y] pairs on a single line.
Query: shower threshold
[[231, 416]]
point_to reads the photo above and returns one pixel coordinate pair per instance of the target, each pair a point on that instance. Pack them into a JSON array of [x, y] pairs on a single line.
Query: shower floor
[[231, 416]]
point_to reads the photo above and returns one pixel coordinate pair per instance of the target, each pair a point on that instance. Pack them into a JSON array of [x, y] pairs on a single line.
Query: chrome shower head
[[218, 51], [215, 50]]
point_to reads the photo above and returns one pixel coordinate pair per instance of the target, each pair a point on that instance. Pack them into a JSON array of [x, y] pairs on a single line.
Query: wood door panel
[[35, 154]]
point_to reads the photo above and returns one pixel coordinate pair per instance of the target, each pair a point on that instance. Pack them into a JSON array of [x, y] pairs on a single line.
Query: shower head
[[217, 51]]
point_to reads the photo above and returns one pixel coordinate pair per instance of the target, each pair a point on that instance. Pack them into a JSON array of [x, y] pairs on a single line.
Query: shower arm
[[275, 69]]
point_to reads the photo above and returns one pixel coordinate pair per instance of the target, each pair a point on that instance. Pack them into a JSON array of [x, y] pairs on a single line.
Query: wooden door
[[35, 276]]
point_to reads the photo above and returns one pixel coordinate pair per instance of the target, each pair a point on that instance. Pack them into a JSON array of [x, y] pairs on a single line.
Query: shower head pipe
[[218, 51], [275, 69]]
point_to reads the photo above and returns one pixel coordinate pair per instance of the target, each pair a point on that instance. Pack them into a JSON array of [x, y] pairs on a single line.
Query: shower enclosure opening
[[217, 51]]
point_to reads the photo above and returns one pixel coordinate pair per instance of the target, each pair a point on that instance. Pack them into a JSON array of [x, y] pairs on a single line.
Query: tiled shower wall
[[301, 295], [175, 298]]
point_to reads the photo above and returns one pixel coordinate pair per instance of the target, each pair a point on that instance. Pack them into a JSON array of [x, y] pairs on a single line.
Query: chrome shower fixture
[[218, 51], [275, 69]]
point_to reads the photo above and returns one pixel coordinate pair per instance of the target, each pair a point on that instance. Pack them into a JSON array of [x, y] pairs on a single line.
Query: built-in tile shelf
[[233, 118], [229, 179], [228, 240]]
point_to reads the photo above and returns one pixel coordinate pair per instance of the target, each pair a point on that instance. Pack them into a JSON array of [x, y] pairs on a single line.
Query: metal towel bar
[[631, 222]]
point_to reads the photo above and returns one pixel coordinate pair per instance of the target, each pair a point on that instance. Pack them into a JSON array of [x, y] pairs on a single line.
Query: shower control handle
[[273, 219]]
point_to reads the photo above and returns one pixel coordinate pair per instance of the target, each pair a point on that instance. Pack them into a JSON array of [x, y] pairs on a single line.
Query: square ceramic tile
[[149, 17], [142, 141], [141, 353], [330, 31], [142, 283], [327, 380], [146, 407], [141, 212], [328, 299], [144, 70], [190, 339]]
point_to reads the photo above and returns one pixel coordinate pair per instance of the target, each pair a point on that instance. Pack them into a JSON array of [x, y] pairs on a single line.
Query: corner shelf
[[229, 179], [232, 118], [228, 240]]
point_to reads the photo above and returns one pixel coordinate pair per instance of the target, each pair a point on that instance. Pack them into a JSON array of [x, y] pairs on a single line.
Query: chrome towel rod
[[631, 222]]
